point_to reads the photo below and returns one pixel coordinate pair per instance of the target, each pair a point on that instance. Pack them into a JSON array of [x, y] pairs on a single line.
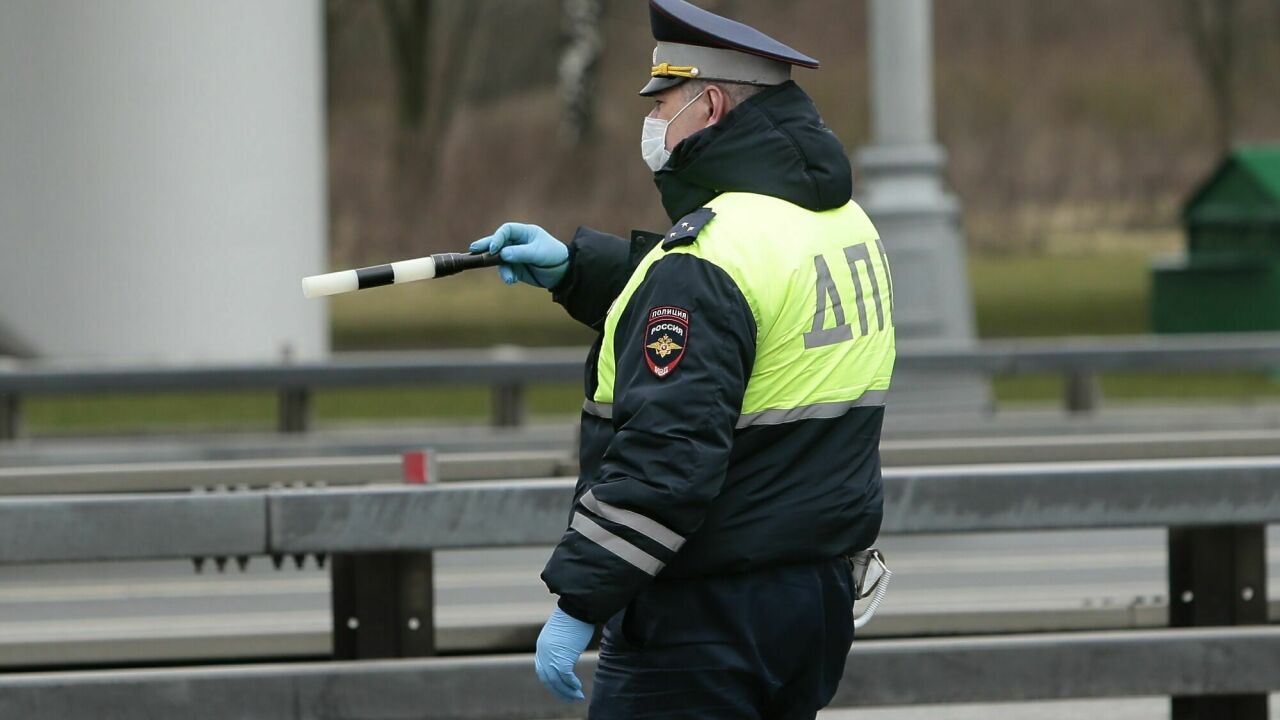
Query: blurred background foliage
[[1074, 131], [1070, 126]]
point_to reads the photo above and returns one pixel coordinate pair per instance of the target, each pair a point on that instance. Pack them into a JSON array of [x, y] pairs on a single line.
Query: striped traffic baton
[[424, 268]]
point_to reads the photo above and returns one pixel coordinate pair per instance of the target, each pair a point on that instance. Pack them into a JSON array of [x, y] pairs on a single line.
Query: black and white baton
[[424, 268]]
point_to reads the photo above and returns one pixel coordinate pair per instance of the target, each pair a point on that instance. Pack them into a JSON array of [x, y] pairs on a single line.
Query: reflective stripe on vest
[[819, 288]]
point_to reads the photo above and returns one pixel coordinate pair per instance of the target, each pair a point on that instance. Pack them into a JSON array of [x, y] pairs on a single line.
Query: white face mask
[[653, 139]]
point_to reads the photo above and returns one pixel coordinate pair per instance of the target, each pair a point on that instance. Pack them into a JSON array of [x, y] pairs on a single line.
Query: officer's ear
[[720, 102]]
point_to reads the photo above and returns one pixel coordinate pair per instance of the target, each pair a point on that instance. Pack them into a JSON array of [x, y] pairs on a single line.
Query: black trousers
[[765, 645]]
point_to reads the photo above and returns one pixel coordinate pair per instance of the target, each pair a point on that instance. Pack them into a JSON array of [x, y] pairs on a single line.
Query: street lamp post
[[901, 187]]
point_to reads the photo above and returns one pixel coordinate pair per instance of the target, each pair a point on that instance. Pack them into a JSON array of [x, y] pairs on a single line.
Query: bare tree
[[432, 49], [408, 25], [1213, 28], [579, 62], [1275, 4], [451, 60]]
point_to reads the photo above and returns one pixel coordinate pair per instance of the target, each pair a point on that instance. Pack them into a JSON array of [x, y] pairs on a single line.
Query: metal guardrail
[[1079, 448], [509, 370], [333, 471], [360, 439], [285, 472], [131, 527], [506, 370], [949, 499], [1185, 662], [380, 539], [1234, 491], [174, 640]]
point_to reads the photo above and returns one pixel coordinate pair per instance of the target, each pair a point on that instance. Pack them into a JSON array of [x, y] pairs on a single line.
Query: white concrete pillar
[[162, 178]]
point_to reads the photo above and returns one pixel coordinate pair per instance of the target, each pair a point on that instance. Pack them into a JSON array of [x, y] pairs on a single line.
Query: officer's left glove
[[560, 643]]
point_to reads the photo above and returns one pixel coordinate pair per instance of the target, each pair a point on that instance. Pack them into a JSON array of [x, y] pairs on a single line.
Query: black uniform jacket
[[668, 488]]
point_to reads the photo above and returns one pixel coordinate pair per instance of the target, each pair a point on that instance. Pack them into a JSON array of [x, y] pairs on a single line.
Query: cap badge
[[669, 70]]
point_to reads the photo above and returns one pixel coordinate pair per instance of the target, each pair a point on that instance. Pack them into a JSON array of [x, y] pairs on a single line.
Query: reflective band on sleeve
[[614, 544], [600, 410], [869, 398], [655, 531]]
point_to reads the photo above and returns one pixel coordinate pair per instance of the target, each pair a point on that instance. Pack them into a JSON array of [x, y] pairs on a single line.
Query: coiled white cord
[[882, 589]]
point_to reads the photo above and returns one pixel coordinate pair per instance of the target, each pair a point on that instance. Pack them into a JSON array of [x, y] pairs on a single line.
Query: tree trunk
[[579, 62], [409, 29], [1212, 27]]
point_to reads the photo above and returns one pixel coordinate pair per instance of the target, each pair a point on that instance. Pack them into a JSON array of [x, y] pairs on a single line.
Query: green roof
[[1244, 187], [1263, 162]]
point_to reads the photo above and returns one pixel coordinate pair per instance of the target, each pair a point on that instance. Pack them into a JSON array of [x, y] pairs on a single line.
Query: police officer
[[734, 398]]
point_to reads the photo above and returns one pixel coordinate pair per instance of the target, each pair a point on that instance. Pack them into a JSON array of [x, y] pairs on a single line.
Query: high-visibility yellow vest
[[819, 288]]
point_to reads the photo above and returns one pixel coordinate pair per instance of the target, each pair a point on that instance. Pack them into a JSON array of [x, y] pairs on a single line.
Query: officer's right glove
[[560, 643], [529, 254]]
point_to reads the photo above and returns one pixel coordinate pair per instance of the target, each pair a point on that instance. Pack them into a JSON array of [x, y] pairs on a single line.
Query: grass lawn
[[1015, 296], [1030, 296], [470, 310], [210, 411]]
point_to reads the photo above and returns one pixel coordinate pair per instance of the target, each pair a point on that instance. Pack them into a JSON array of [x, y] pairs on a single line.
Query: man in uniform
[[734, 398]]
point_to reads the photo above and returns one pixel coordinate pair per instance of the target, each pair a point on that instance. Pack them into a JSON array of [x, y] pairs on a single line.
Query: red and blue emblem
[[666, 335]]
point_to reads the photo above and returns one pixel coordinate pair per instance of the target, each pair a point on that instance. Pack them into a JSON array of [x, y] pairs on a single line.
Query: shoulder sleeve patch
[[666, 335], [686, 229]]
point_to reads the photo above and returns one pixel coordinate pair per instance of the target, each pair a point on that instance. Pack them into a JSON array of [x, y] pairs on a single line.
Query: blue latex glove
[[529, 254], [560, 643]]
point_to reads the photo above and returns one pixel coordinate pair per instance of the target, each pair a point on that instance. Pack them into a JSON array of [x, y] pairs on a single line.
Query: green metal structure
[[1229, 279]]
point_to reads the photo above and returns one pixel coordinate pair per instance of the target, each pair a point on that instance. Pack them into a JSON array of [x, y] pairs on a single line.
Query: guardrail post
[[1082, 391], [10, 416], [383, 605], [1218, 576], [508, 405], [294, 412]]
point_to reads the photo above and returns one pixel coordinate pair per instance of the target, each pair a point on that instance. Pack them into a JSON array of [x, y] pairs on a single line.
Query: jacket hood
[[773, 144]]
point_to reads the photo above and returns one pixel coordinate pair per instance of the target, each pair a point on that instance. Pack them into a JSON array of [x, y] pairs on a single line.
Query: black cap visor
[[658, 84]]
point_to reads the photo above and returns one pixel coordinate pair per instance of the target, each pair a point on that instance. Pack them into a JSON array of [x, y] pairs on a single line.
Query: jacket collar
[[773, 144]]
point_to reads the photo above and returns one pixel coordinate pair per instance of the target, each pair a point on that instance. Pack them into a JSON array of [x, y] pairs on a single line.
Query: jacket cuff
[[562, 289], [598, 268], [574, 610]]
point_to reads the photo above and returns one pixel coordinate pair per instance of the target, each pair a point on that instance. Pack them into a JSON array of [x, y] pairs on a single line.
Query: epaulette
[[686, 229]]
